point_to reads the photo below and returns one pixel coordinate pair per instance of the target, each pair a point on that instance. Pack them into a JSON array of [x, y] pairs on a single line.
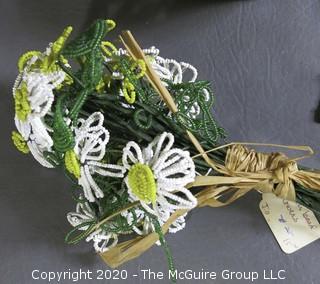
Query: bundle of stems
[[138, 106]]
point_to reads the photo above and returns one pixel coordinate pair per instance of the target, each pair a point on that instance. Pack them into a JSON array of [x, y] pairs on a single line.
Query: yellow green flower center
[[19, 142], [142, 183], [21, 102], [72, 163]]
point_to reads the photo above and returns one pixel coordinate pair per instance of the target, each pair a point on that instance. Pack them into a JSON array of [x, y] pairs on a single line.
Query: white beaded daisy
[[102, 240], [91, 139], [157, 176], [33, 96]]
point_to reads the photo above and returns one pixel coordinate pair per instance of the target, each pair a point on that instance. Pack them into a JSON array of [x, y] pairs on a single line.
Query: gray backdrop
[[263, 58]]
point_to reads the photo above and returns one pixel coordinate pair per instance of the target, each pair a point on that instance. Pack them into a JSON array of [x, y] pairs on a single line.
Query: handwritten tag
[[293, 225]]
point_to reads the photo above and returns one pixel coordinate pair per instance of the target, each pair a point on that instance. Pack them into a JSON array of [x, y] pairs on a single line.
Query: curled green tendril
[[142, 120]]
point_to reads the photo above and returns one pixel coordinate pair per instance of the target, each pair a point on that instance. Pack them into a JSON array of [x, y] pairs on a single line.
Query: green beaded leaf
[[62, 136], [93, 69], [194, 101], [86, 41]]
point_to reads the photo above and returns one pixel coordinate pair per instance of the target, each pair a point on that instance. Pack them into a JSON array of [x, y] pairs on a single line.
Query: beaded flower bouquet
[[135, 135]]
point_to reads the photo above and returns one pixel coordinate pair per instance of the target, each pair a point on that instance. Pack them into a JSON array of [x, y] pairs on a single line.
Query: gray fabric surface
[[263, 59]]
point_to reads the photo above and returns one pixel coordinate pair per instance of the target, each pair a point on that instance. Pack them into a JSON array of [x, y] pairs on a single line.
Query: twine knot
[[274, 172], [285, 170]]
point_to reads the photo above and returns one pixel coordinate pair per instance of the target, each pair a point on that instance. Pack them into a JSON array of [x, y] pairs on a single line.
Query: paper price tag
[[293, 225]]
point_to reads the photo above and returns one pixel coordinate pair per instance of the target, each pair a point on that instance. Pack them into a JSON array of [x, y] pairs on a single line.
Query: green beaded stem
[[158, 230]]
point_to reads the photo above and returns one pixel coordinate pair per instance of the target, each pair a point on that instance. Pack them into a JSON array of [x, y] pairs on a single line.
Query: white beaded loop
[[174, 71], [171, 172], [185, 67], [107, 169], [129, 157], [38, 154], [180, 203], [158, 145], [89, 185]]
